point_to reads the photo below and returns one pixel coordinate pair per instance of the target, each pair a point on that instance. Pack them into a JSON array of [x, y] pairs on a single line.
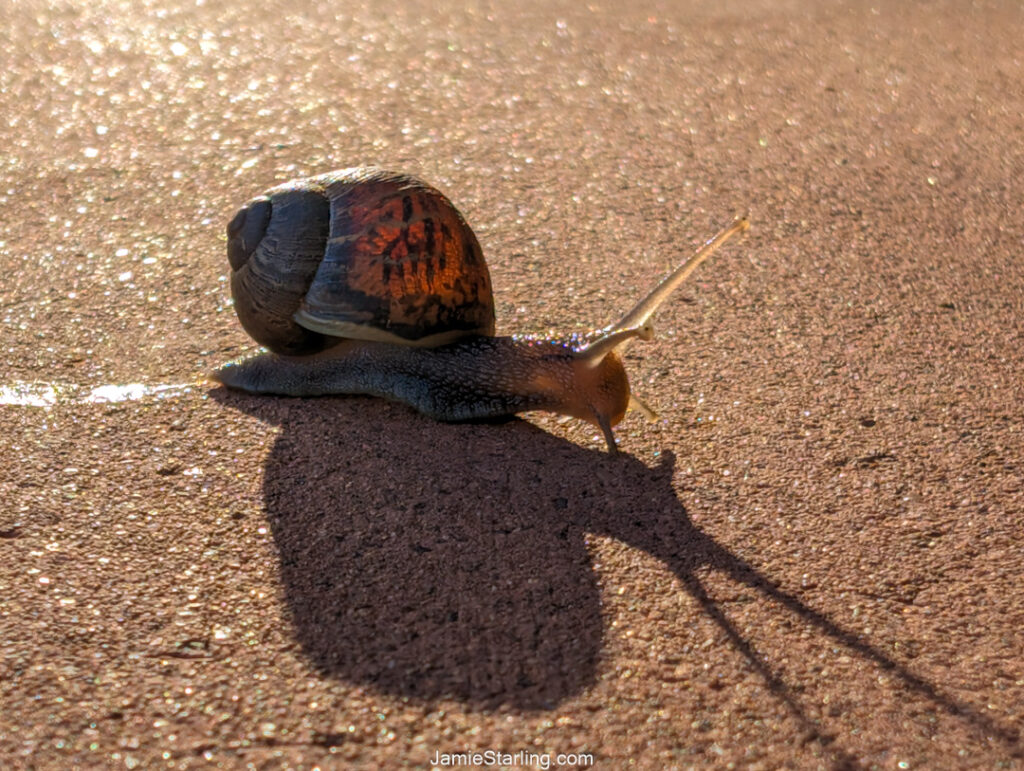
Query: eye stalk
[[613, 341]]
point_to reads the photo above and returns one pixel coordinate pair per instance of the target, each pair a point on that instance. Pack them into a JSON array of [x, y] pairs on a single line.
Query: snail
[[363, 281]]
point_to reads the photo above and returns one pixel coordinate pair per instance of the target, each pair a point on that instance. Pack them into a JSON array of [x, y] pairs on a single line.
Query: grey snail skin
[[364, 281]]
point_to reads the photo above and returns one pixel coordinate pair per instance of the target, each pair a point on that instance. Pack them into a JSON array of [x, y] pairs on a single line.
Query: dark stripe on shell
[[388, 260]]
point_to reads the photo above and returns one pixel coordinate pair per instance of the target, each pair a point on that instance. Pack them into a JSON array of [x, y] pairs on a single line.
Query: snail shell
[[357, 254]]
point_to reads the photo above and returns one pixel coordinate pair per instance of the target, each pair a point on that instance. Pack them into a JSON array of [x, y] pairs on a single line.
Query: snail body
[[366, 282]]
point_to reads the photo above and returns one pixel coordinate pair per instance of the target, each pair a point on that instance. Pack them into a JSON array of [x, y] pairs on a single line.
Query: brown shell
[[359, 253]]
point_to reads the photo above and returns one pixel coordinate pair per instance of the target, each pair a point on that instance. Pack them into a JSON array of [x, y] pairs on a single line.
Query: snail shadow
[[451, 561]]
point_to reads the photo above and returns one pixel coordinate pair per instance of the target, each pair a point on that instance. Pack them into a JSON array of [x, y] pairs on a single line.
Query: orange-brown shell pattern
[[361, 247]]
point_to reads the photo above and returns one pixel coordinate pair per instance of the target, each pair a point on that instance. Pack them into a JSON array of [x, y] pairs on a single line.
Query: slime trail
[[37, 394]]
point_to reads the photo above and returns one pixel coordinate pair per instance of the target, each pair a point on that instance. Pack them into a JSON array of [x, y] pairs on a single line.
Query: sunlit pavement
[[812, 559]]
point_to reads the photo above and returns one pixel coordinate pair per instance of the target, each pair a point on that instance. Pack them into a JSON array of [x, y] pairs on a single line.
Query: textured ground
[[814, 559]]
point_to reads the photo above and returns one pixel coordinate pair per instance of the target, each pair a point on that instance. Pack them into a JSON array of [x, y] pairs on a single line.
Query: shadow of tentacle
[[703, 552], [435, 561]]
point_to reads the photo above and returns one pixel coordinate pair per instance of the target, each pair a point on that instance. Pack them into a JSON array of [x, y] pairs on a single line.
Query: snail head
[[602, 394]]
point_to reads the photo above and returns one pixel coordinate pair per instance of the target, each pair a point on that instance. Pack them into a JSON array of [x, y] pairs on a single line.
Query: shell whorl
[[275, 245], [360, 253]]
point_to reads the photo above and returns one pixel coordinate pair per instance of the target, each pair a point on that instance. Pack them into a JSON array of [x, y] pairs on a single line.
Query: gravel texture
[[814, 559]]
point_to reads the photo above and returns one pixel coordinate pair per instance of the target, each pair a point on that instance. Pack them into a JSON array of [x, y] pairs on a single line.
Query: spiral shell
[[359, 253]]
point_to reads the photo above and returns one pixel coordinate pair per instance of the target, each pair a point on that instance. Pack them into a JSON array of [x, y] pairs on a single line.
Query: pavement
[[813, 559]]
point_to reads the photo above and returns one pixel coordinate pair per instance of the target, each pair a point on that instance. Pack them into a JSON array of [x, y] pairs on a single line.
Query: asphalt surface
[[814, 558]]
